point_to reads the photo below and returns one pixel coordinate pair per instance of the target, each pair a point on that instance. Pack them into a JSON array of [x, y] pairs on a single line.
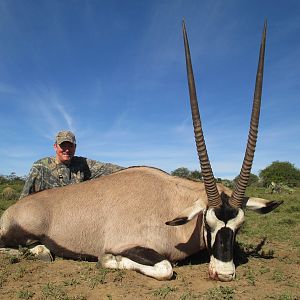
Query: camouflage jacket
[[46, 173]]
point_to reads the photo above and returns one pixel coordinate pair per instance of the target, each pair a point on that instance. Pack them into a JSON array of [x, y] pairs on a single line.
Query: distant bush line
[[278, 175]]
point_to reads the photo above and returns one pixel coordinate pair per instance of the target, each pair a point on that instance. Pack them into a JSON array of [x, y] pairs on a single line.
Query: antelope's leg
[[41, 252], [143, 260]]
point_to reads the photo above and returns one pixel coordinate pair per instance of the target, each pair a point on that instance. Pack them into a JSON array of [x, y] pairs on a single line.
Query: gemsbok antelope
[[129, 219]]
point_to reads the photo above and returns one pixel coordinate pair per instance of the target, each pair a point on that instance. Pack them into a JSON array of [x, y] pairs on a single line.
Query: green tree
[[253, 179], [186, 173], [280, 173], [228, 183], [3, 179], [196, 175], [181, 172]]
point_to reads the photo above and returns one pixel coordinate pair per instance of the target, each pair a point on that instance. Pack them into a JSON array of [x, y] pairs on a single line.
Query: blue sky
[[114, 73]]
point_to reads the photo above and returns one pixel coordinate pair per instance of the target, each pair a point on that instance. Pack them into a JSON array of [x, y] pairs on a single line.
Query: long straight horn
[[239, 191], [213, 196]]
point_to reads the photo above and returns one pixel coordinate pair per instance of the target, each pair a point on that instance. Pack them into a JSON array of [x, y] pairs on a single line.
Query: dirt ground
[[259, 276]]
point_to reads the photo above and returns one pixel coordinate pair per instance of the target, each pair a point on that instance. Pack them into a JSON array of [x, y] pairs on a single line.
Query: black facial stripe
[[142, 255], [222, 249], [226, 213], [208, 234]]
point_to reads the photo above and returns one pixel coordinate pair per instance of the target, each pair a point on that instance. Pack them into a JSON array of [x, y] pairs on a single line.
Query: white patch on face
[[161, 271], [215, 224], [237, 222]]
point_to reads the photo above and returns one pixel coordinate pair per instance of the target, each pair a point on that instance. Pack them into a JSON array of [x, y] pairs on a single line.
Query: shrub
[[9, 193], [181, 172], [186, 173], [253, 179], [283, 173], [11, 187]]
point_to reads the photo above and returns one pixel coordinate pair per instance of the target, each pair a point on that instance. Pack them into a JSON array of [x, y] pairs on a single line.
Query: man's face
[[64, 152]]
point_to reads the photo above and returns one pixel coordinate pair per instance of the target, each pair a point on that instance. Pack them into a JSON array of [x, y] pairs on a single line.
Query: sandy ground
[[258, 277]]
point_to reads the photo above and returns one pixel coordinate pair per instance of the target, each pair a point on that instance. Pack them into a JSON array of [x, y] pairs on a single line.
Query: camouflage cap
[[65, 136]]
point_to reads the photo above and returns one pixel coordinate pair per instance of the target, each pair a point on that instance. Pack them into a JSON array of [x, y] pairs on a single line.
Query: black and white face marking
[[221, 225]]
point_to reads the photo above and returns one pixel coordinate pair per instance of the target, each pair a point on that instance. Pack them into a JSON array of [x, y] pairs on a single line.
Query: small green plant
[[20, 272], [220, 293], [251, 278], [99, 278], [25, 294], [264, 270], [81, 297], [187, 295], [85, 272], [53, 291], [278, 276], [3, 278], [13, 259], [288, 221], [163, 292], [119, 275], [71, 282], [287, 296]]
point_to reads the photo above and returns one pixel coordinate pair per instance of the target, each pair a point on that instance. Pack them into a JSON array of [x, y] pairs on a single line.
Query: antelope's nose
[[225, 277]]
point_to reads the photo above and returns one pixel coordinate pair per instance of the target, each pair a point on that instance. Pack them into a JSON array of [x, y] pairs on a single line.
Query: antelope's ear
[[188, 214], [260, 205]]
